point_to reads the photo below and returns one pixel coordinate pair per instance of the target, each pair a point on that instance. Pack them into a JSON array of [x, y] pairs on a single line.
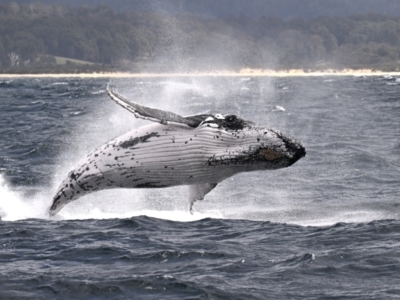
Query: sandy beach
[[241, 73]]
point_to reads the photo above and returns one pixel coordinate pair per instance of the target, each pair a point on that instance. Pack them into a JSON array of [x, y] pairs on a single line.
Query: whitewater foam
[[16, 204]]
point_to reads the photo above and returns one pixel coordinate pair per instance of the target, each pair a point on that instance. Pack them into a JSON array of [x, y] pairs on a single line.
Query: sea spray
[[20, 202]]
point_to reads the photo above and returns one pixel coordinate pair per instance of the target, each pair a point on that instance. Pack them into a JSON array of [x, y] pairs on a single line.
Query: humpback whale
[[199, 151]]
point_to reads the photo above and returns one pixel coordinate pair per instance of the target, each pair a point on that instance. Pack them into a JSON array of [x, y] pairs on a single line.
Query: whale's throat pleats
[[167, 157]]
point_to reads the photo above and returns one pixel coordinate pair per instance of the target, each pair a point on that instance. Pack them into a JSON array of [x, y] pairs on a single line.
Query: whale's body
[[198, 151]]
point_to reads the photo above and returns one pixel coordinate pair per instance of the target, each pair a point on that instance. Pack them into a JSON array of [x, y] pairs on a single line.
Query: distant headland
[[39, 38]]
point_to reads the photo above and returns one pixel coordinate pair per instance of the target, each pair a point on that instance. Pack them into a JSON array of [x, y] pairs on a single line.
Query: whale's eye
[[230, 118], [233, 122]]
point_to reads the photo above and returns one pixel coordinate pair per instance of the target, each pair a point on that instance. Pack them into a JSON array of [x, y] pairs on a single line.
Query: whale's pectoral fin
[[198, 191], [147, 113]]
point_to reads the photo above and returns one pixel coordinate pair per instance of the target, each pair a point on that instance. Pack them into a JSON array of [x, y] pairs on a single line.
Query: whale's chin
[[300, 153]]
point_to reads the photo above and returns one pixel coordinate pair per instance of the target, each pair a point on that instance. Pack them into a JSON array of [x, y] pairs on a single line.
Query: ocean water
[[325, 228]]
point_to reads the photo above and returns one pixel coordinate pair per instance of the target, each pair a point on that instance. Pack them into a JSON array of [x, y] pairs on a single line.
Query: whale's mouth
[[298, 153], [293, 147]]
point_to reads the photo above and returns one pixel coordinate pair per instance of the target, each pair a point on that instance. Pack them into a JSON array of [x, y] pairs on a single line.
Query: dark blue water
[[327, 227]]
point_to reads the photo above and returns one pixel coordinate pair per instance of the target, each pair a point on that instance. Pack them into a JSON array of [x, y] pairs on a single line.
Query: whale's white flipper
[[151, 114], [198, 191]]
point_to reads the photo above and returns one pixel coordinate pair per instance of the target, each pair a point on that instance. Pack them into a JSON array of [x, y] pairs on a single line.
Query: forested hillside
[[252, 8], [37, 37]]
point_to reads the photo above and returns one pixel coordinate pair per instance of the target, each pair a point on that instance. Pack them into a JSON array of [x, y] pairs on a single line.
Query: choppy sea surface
[[325, 228]]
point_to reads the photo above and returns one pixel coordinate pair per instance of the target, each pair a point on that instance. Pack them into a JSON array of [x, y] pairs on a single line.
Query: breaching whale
[[199, 151]]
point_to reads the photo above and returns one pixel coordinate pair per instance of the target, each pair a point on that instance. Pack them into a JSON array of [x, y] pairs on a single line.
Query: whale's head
[[255, 147], [276, 150]]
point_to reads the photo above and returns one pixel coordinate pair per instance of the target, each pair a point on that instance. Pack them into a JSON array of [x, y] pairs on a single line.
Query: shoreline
[[222, 73]]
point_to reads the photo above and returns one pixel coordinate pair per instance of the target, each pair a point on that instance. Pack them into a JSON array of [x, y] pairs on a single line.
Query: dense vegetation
[[34, 36]]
